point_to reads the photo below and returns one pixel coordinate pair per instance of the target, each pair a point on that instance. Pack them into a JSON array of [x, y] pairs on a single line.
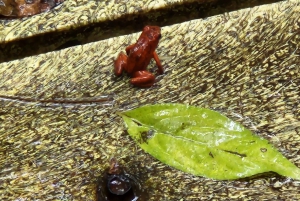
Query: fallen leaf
[[204, 142]]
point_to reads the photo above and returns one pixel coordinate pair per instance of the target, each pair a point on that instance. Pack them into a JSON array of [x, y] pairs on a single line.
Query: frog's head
[[152, 32]]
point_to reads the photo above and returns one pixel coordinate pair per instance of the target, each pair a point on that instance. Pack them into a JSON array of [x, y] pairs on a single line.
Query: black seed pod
[[118, 184]]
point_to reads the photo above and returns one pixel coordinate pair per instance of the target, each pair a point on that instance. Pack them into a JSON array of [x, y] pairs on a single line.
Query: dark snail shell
[[118, 184]]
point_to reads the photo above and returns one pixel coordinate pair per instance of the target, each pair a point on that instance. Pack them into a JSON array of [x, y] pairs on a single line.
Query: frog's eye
[[146, 28]]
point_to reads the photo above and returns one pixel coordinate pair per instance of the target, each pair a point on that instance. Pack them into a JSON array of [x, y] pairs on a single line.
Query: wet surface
[[243, 64]]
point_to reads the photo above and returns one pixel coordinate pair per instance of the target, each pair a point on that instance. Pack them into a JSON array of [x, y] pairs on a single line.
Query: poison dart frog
[[138, 58]]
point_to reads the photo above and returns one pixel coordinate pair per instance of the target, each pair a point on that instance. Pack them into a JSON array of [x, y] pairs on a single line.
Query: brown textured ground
[[244, 64]]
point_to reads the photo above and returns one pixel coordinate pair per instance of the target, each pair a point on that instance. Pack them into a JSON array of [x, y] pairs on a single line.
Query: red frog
[[138, 57]]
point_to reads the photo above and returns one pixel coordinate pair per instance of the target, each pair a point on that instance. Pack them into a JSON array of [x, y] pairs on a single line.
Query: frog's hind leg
[[142, 79]]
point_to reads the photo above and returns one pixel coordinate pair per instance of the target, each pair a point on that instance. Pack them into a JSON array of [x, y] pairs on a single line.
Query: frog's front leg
[[160, 68], [142, 79], [120, 64], [129, 48]]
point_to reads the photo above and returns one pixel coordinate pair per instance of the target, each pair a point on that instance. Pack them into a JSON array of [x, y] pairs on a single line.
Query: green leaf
[[203, 142]]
